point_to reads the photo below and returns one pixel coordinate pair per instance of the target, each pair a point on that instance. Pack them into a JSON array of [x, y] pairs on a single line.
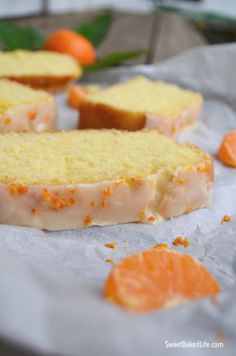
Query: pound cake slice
[[25, 109], [63, 180], [141, 103], [39, 69]]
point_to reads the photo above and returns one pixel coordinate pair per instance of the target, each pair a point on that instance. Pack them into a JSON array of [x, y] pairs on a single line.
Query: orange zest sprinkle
[[7, 121], [179, 240], [46, 119], [202, 169], [72, 201], [151, 218], [59, 203], [119, 182], [109, 260], [226, 218], [93, 204], [17, 189], [172, 178], [32, 114], [88, 219], [135, 182], [110, 244], [189, 209], [141, 214], [181, 181], [107, 192], [46, 196], [35, 211], [160, 246], [104, 203]]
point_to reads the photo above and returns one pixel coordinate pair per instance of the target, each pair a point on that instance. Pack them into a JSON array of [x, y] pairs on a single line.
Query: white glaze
[[149, 201], [17, 119], [173, 126]]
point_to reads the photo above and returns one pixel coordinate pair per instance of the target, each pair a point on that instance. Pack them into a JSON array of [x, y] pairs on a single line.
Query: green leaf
[[96, 30], [14, 37], [114, 59]]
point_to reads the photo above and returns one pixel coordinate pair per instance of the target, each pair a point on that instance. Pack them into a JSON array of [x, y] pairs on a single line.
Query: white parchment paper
[[51, 282]]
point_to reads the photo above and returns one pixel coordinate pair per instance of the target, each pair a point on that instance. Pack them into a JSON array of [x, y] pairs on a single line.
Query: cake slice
[[63, 180], [141, 103], [39, 69], [25, 109]]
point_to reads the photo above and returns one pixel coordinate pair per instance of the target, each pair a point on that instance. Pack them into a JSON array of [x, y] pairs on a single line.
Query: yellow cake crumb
[[111, 244], [109, 260]]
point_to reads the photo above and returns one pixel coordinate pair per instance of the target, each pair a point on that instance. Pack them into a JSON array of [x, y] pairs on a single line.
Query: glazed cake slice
[[64, 180], [25, 109], [141, 103], [39, 69]]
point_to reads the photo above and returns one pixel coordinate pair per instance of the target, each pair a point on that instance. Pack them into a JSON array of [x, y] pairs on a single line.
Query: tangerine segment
[[227, 150], [157, 278]]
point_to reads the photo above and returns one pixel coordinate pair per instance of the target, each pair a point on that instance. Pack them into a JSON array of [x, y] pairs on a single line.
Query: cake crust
[[102, 116], [48, 83]]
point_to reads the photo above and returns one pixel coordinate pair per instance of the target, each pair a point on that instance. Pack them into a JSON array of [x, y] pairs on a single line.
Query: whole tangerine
[[72, 43]]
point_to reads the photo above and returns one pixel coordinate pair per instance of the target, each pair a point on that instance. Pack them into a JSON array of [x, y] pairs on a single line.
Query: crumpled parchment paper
[[51, 282]]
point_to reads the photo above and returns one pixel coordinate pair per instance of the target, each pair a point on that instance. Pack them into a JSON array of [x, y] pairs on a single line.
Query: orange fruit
[[76, 95], [227, 150], [69, 42], [158, 278]]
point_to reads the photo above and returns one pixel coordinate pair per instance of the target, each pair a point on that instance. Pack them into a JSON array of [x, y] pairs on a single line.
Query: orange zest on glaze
[[201, 169], [7, 121], [181, 181], [72, 201], [107, 192], [151, 218], [226, 218], [110, 244], [179, 240], [46, 196], [135, 182], [104, 203], [93, 204], [35, 211], [119, 182], [17, 189], [46, 119], [141, 214], [57, 202], [32, 114], [88, 219]]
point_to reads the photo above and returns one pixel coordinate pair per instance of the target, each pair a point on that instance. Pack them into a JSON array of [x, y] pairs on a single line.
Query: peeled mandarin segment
[[157, 278], [227, 150]]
